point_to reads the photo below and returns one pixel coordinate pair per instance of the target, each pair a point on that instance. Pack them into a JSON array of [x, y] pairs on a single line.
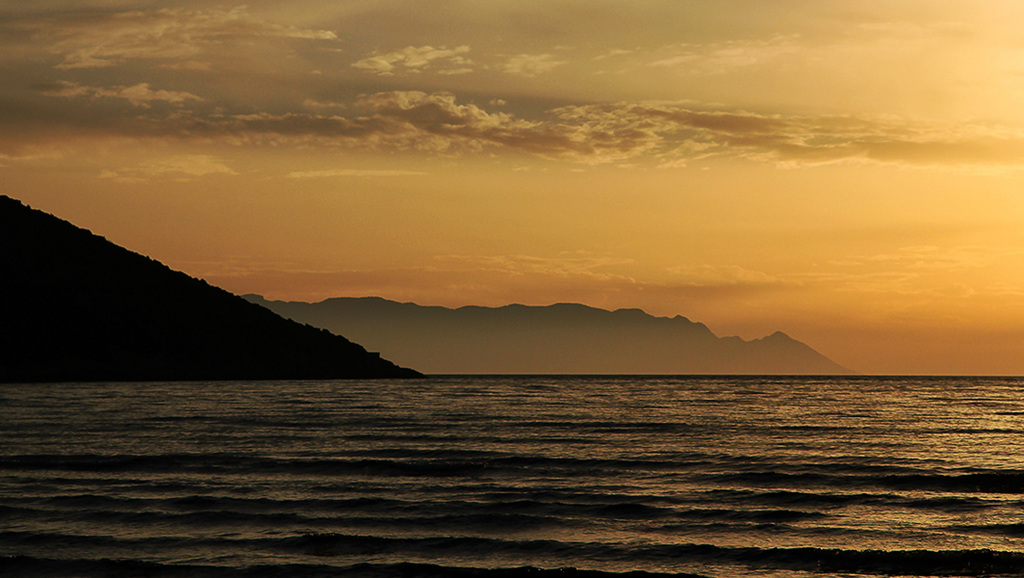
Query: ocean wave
[[790, 498], [424, 521], [31, 567], [1013, 530], [1004, 482], [903, 562], [495, 477], [378, 511], [757, 470]]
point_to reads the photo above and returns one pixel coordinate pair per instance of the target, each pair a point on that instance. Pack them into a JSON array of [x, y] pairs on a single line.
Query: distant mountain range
[[557, 339], [75, 307]]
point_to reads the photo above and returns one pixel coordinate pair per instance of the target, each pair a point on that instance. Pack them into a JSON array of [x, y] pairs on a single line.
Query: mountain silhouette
[[76, 307], [565, 338]]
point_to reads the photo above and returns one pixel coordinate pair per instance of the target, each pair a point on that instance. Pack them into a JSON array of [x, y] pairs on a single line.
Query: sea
[[509, 476]]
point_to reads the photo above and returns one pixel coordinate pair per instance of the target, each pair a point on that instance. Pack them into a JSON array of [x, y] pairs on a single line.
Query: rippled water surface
[[481, 476]]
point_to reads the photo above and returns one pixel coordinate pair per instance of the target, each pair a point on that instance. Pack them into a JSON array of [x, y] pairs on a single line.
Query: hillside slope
[[75, 307]]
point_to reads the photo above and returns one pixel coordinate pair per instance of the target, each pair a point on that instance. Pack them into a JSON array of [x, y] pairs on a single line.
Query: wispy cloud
[[931, 258], [492, 280], [140, 94], [655, 133], [531, 64], [413, 59], [180, 167], [72, 54], [675, 131], [920, 271], [354, 173], [724, 57], [180, 37], [659, 133], [594, 266], [722, 275]]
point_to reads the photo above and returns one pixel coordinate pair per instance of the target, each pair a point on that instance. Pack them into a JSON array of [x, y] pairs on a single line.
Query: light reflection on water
[[612, 472]]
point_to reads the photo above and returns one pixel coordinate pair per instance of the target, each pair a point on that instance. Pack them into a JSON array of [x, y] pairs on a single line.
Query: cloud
[[930, 258], [678, 131], [671, 132], [457, 280], [724, 275], [139, 95], [531, 64], [180, 167], [568, 265], [666, 133], [725, 57], [353, 173], [403, 120], [921, 273], [180, 37], [412, 59], [649, 133], [615, 52]]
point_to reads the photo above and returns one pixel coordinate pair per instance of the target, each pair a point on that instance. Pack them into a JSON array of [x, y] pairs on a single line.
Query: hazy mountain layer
[[75, 307], [557, 339]]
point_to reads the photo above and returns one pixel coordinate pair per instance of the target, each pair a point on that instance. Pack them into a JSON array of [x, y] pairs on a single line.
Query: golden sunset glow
[[849, 173]]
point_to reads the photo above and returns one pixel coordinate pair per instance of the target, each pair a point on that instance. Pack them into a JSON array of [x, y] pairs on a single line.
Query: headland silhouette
[[76, 307]]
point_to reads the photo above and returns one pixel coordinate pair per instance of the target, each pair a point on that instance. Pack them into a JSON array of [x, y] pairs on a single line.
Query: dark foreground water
[[482, 476]]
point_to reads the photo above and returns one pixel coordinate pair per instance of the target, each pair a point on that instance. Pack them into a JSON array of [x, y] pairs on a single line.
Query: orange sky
[[849, 173]]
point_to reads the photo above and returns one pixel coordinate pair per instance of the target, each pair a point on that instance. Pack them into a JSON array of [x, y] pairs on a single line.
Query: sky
[[849, 173]]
